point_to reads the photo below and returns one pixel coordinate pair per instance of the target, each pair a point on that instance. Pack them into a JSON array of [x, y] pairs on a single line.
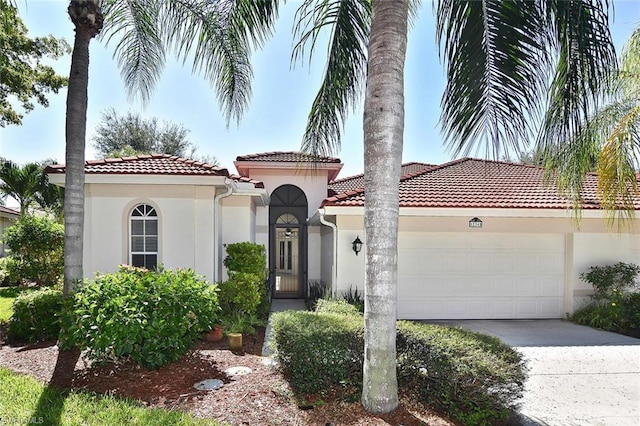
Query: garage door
[[480, 276]]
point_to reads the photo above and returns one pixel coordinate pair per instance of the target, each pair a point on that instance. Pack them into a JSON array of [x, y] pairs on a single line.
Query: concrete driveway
[[577, 375]]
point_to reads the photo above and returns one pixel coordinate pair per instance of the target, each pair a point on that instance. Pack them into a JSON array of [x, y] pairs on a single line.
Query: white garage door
[[480, 275]]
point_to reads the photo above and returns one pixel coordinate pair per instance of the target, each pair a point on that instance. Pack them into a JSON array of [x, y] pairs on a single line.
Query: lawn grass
[[7, 296], [26, 401]]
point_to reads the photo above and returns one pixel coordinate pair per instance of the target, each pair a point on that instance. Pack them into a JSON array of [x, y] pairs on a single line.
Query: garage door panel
[[480, 275]]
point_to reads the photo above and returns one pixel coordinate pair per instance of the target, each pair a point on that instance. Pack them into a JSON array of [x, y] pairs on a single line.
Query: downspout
[[217, 276], [334, 266]]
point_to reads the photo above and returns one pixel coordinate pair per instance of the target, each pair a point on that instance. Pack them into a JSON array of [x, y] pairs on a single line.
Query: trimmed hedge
[[317, 351], [36, 316], [336, 307], [151, 316], [474, 378]]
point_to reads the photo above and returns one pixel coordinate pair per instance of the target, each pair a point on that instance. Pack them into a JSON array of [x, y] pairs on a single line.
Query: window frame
[[148, 213]]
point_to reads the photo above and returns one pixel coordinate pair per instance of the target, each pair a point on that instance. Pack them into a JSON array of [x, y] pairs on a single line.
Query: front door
[[287, 270], [288, 242]]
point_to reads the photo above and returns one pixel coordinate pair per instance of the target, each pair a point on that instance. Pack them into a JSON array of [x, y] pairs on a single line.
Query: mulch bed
[[261, 397]]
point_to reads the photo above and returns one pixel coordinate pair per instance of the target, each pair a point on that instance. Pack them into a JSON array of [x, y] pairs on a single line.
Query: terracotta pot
[[235, 341], [215, 335]]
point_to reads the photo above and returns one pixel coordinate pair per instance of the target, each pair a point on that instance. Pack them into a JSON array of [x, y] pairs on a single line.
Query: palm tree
[[217, 35], [502, 59], [23, 183]]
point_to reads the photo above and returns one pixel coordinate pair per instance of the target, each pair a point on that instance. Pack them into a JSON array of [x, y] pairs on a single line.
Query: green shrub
[[151, 316], [611, 279], [353, 297], [243, 297], [614, 306], [246, 257], [36, 316], [475, 378], [336, 307], [36, 249], [6, 279], [242, 292], [317, 351]]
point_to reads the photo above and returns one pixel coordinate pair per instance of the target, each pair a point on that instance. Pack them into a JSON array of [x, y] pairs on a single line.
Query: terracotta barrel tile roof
[[287, 157], [480, 184], [351, 183], [155, 164]]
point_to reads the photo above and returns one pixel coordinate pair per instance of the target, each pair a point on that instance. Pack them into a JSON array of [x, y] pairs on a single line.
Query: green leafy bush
[[6, 277], [475, 378], [151, 316], [336, 307], [36, 316], [244, 294], [36, 250], [246, 257], [318, 350], [614, 306], [611, 279]]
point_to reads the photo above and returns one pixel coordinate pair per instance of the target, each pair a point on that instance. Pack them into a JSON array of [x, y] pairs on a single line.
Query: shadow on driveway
[[577, 375]]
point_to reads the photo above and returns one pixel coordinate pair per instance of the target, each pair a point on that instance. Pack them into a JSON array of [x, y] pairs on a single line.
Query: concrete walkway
[[577, 375], [279, 305]]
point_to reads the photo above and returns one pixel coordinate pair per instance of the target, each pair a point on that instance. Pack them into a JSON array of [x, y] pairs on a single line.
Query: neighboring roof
[[287, 157], [476, 183], [281, 160], [154, 164], [8, 211], [352, 183]]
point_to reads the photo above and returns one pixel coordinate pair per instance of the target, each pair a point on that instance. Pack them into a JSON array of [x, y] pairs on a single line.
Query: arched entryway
[[288, 242]]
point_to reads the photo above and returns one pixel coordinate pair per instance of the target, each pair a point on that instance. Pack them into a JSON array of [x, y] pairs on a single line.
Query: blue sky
[[281, 99]]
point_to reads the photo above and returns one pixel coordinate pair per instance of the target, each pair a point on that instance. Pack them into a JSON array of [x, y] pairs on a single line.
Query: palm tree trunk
[[87, 17], [383, 138]]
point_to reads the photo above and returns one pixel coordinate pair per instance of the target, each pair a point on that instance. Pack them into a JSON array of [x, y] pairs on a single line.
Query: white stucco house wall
[[477, 239], [7, 218]]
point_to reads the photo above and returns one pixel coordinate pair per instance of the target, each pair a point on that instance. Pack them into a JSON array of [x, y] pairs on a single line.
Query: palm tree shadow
[[51, 401]]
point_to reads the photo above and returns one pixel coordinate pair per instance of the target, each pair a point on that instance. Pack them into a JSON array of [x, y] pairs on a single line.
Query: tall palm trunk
[[87, 18], [383, 138]]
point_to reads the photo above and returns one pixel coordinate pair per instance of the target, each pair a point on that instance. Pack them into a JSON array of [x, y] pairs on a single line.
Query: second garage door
[[480, 275]]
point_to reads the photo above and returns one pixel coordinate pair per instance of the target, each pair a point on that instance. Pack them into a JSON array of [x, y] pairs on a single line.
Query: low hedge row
[[474, 378]]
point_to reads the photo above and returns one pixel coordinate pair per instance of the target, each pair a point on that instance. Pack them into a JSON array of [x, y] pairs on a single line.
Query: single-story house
[[7, 218], [477, 238]]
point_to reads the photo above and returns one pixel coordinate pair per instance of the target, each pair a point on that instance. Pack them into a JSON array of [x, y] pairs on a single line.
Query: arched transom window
[[143, 249]]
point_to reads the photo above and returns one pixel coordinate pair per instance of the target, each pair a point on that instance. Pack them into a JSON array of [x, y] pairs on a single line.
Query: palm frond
[[629, 72], [617, 165], [497, 66], [585, 67], [220, 36], [139, 52], [348, 22]]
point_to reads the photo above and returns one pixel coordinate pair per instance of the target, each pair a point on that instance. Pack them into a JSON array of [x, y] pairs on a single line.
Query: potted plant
[[215, 334]]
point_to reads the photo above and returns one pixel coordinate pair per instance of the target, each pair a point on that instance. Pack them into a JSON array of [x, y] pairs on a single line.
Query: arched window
[[143, 248]]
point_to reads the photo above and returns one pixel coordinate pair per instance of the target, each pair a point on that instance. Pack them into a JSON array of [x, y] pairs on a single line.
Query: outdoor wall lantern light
[[475, 223], [357, 245]]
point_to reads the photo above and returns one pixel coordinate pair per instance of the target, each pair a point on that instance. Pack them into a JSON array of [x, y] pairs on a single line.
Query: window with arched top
[[143, 231]]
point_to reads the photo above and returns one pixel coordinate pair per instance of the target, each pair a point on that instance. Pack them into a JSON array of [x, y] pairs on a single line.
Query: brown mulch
[[261, 397]]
